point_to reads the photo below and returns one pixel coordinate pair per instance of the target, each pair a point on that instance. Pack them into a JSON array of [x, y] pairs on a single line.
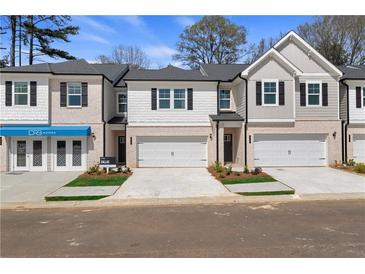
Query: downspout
[[217, 123], [102, 113], [246, 118], [344, 136]]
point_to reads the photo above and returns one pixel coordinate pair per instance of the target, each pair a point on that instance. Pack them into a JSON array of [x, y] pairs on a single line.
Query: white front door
[[29, 154], [359, 148], [290, 150], [177, 151], [69, 153]]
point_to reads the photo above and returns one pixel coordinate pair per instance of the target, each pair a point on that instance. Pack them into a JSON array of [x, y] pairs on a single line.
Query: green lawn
[[74, 198], [248, 180], [98, 181]]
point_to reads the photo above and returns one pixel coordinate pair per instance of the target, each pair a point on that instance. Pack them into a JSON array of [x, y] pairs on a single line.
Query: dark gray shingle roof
[[118, 120], [223, 72], [227, 116], [353, 72], [111, 71]]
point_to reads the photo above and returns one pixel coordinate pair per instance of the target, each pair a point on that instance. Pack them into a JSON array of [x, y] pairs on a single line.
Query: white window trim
[[117, 101], [307, 94], [230, 99], [28, 93], [276, 93], [78, 83], [172, 99], [362, 96]]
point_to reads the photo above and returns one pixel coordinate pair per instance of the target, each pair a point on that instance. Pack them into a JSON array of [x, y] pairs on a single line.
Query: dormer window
[[225, 99]]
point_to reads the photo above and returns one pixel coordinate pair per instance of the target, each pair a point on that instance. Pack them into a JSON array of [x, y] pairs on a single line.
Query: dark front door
[[228, 148], [121, 149]]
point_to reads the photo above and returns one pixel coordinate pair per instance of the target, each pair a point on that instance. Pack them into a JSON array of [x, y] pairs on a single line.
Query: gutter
[[246, 118], [217, 123], [347, 122]]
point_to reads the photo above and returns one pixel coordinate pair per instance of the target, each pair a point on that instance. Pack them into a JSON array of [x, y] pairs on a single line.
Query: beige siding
[[329, 112], [109, 100], [239, 97], [270, 69], [4, 154], [139, 103], [299, 58]]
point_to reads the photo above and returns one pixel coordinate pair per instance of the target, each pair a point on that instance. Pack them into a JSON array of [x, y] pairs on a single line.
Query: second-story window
[[122, 102], [363, 97], [224, 99], [21, 93], [179, 98], [164, 98], [270, 93], [314, 94], [74, 94]]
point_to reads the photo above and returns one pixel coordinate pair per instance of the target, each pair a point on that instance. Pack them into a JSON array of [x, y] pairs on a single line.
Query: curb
[[217, 200]]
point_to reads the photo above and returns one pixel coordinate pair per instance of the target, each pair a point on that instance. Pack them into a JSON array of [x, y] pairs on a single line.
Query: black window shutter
[[33, 93], [84, 93], [281, 93], [190, 99], [258, 94], [8, 93], [324, 94], [302, 95], [358, 97], [153, 98], [63, 94]]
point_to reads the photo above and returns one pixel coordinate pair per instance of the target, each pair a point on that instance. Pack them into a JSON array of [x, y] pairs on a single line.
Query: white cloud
[[160, 51], [133, 20], [93, 38], [184, 21], [95, 24]]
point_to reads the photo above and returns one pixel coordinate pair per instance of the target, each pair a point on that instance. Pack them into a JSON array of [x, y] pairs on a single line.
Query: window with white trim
[[313, 94], [20, 93], [224, 99], [270, 93], [179, 98], [121, 103], [164, 98], [74, 94], [363, 97]]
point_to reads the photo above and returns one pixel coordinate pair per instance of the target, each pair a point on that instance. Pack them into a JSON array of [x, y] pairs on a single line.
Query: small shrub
[[125, 169], [359, 168], [351, 162], [237, 173], [218, 167], [228, 169], [246, 170], [256, 170], [93, 169], [98, 172]]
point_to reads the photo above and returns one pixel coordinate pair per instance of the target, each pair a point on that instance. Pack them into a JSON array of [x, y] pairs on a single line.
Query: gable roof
[[272, 52], [353, 72], [223, 72], [319, 57]]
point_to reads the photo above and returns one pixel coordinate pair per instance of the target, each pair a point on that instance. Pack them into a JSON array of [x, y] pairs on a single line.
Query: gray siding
[[329, 112], [239, 93], [343, 103]]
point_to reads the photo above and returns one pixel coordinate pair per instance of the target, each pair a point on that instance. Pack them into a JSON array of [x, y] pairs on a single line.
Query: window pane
[[164, 103], [313, 99], [270, 99], [21, 153], [122, 108], [270, 87], [225, 104], [61, 153], [179, 104], [37, 153], [74, 100], [74, 89], [164, 94], [21, 87], [21, 99], [179, 93], [76, 153], [225, 94], [313, 88]]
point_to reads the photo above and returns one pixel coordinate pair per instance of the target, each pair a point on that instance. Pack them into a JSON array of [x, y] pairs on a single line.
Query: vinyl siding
[[356, 114], [343, 103], [139, 103], [239, 94], [329, 112]]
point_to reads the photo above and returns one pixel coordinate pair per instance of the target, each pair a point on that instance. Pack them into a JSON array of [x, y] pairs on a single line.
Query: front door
[[29, 154], [121, 149], [228, 148]]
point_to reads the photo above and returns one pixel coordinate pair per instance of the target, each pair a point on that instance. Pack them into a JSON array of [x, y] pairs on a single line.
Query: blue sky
[[157, 35]]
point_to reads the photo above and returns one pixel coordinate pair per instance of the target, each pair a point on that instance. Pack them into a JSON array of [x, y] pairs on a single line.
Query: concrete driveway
[[170, 183], [32, 186], [318, 180]]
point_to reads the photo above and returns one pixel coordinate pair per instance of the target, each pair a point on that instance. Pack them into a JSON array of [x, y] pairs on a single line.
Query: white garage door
[[172, 151], [359, 148], [290, 150]]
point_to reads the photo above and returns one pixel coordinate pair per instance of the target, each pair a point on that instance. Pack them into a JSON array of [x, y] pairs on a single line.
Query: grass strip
[[266, 193], [248, 180], [74, 198], [98, 181]]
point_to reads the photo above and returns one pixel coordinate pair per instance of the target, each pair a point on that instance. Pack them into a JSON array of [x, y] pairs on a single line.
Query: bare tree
[[132, 55]]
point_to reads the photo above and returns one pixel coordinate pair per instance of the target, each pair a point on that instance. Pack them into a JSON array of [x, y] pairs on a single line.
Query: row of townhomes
[[291, 107]]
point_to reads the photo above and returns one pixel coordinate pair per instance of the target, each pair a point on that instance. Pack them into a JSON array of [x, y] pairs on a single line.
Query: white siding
[[139, 103], [25, 114], [357, 115]]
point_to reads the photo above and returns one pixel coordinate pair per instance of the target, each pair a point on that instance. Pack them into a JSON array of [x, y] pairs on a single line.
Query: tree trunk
[[31, 39], [13, 37], [20, 41]]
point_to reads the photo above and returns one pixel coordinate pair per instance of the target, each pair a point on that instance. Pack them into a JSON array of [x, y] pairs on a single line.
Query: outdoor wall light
[[210, 136], [334, 134], [93, 135]]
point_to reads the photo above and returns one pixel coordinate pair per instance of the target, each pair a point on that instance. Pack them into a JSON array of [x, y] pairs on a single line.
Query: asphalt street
[[295, 229]]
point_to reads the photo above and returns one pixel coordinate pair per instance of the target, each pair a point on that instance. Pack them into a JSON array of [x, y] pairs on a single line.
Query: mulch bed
[[347, 169], [234, 174]]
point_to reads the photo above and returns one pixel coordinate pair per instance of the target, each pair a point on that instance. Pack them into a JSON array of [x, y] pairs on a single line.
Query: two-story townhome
[[352, 98], [52, 116], [282, 110]]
